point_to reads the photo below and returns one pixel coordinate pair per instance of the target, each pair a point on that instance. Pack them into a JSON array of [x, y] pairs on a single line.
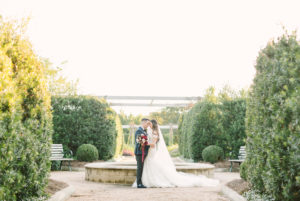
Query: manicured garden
[[265, 119]]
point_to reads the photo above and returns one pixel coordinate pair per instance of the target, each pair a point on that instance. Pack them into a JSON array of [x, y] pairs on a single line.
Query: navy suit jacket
[[137, 150]]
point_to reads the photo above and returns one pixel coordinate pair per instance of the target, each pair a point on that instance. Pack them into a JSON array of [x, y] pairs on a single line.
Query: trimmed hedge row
[[81, 120], [273, 121], [25, 119], [209, 123]]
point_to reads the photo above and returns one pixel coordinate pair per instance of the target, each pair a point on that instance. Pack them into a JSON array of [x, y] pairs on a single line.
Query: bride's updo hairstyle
[[154, 125], [155, 128]]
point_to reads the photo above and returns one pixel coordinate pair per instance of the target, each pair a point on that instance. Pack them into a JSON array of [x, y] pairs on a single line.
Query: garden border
[[63, 194], [231, 194]]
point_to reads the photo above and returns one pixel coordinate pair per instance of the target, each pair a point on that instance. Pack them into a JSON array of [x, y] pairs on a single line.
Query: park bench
[[241, 157], [57, 154]]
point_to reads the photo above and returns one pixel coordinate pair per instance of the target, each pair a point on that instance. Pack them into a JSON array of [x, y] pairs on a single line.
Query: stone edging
[[63, 194], [231, 194]]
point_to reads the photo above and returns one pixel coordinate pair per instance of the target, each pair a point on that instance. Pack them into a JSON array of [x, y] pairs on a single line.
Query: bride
[[159, 169]]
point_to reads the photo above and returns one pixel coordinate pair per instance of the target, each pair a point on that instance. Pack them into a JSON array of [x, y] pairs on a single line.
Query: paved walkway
[[86, 190]]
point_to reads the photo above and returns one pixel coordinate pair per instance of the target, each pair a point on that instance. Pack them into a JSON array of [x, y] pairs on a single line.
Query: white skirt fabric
[[160, 171], [156, 174]]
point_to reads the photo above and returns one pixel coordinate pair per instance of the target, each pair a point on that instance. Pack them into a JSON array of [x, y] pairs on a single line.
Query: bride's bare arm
[[155, 139]]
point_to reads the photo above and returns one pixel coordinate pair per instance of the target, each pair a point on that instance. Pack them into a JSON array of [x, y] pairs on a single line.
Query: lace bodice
[[149, 135]]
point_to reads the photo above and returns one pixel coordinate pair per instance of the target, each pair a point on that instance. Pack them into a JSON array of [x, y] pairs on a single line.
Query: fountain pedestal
[[125, 172]]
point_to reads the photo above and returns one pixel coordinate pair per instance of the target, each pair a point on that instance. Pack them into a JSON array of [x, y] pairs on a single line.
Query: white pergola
[[151, 99], [184, 102]]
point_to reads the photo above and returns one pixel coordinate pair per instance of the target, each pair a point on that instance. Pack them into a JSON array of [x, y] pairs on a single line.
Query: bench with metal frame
[[57, 154], [241, 157]]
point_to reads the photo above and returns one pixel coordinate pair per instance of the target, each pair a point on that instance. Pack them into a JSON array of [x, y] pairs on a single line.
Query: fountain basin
[[125, 172]]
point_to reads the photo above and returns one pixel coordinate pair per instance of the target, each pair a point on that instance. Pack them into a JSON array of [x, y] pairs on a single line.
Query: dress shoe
[[141, 186]]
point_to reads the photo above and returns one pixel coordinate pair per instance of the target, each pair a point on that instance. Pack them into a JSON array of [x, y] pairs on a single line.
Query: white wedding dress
[[160, 171]]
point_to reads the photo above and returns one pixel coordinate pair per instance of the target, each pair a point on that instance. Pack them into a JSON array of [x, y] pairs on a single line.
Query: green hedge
[[209, 123], [87, 152], [81, 120], [233, 125], [273, 121], [25, 119], [200, 128]]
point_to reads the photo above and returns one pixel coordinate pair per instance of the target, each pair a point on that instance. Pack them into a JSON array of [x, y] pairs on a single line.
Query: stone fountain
[[125, 172]]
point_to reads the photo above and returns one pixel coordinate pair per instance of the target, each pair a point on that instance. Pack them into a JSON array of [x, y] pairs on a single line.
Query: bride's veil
[[162, 153]]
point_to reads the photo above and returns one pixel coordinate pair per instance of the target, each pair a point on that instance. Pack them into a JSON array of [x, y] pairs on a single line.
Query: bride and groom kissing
[[155, 167]]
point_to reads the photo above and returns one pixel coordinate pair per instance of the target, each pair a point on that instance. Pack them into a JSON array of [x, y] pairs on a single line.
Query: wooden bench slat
[[236, 160], [57, 154]]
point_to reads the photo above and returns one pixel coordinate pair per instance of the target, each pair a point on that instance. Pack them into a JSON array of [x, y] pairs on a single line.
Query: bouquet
[[142, 140]]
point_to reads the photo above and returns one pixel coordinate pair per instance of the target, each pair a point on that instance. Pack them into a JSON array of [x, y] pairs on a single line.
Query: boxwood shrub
[[81, 120], [87, 152], [273, 121], [212, 154], [25, 118]]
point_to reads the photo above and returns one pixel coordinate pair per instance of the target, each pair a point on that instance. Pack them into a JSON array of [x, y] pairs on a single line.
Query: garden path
[[88, 191]]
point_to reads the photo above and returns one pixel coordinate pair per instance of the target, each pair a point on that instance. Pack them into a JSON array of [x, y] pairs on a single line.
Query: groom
[[138, 153]]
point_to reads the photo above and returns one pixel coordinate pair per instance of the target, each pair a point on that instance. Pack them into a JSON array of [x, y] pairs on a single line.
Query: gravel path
[[86, 190]]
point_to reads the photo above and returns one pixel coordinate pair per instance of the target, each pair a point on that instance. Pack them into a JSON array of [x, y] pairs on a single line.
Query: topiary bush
[[81, 120], [272, 124], [212, 154], [87, 152], [25, 118]]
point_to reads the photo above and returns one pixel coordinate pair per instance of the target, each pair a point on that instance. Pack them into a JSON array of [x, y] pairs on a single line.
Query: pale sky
[[156, 48]]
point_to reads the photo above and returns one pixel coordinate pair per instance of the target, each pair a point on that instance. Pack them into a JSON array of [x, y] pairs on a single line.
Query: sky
[[155, 48]]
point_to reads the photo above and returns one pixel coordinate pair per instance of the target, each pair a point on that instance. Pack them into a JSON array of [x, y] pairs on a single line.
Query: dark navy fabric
[[137, 150]]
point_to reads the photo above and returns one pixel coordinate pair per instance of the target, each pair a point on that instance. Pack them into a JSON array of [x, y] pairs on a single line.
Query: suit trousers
[[139, 170]]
